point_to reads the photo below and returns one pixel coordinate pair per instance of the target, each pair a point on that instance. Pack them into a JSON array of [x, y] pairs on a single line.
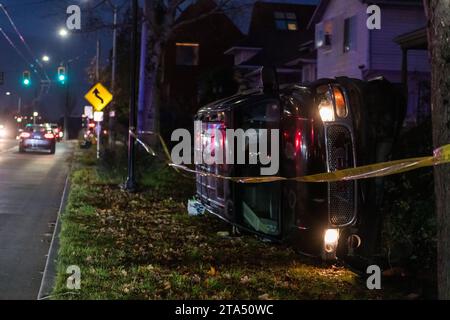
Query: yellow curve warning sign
[[99, 97]]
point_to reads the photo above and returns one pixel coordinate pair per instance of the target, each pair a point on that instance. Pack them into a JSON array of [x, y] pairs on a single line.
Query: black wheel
[[53, 149], [21, 149]]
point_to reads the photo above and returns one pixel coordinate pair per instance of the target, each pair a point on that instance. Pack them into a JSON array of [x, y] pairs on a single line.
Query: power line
[[24, 41], [17, 50]]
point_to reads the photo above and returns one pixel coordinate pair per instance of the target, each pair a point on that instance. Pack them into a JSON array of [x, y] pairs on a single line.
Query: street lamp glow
[[35, 114], [46, 58], [63, 32], [8, 93]]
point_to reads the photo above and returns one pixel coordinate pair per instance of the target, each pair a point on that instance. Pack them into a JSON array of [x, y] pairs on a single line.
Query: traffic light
[[62, 74], [26, 79]]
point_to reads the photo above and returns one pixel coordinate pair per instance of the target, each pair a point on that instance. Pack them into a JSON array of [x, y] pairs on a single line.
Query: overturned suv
[[324, 126]]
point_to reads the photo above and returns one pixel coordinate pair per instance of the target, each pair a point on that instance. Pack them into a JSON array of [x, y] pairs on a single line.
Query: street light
[[8, 93], [63, 33], [46, 58], [35, 115]]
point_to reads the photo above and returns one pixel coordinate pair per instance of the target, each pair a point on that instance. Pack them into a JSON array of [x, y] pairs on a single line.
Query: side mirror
[[270, 80]]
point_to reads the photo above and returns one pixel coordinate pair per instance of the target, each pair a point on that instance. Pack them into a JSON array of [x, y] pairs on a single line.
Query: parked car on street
[[57, 131], [324, 126], [36, 138]]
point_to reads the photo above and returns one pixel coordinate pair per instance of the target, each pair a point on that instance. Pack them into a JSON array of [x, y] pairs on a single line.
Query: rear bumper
[[32, 144]]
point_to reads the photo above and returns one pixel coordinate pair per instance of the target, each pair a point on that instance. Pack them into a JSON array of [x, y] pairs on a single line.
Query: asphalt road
[[31, 187]]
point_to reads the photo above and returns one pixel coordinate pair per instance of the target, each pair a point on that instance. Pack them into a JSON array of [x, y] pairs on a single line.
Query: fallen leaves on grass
[[145, 246]]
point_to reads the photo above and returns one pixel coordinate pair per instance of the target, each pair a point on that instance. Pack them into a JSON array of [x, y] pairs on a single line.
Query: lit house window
[[187, 54], [286, 21], [350, 34]]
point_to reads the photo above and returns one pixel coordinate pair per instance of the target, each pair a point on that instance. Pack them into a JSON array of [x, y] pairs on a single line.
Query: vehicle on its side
[[324, 126], [37, 138], [57, 131]]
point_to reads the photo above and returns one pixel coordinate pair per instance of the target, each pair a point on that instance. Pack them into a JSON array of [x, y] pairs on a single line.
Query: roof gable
[[323, 4]]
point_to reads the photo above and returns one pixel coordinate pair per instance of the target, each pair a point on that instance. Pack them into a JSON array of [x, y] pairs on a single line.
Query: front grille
[[341, 195]]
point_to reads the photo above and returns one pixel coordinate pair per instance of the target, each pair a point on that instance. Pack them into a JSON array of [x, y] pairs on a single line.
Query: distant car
[[57, 130], [37, 137]]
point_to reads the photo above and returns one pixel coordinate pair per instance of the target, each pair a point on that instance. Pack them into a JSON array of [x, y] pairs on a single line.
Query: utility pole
[[66, 106], [113, 76], [130, 184], [97, 61], [19, 106]]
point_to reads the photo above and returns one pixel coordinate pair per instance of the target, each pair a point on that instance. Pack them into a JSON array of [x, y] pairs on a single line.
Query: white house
[[346, 46]]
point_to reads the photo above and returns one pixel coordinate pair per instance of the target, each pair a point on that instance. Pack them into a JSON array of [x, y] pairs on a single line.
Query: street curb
[[8, 150], [49, 275]]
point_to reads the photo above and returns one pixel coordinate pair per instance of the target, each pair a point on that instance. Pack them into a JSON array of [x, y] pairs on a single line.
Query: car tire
[[52, 150], [21, 149]]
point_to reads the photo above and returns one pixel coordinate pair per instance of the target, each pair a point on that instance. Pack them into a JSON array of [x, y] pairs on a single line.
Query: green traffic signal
[[62, 74], [26, 78]]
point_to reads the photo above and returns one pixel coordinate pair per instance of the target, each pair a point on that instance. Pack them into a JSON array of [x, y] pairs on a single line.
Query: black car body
[[37, 138], [322, 219]]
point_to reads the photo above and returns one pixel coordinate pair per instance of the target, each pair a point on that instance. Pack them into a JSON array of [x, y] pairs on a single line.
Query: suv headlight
[[331, 239], [326, 111]]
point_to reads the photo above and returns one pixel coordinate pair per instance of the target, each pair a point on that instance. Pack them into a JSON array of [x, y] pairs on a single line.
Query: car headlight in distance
[[326, 111], [331, 239], [3, 132], [341, 106]]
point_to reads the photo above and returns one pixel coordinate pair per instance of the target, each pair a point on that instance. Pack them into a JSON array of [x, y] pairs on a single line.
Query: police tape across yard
[[440, 156]]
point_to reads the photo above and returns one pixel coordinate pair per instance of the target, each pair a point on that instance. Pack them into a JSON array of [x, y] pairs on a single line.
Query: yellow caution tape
[[440, 156]]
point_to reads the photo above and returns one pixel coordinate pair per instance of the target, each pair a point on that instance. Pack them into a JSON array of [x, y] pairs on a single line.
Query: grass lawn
[[145, 246]]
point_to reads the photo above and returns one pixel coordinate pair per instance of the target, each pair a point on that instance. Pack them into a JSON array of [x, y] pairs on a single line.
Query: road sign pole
[[99, 132]]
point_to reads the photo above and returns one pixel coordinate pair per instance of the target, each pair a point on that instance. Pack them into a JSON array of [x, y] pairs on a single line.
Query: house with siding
[[346, 46], [275, 33]]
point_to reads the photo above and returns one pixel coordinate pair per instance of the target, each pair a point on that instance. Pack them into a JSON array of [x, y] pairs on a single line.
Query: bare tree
[[438, 13], [161, 20]]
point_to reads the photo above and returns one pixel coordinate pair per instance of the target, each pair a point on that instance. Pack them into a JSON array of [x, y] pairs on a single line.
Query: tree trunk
[[439, 43], [152, 49], [148, 115], [147, 74]]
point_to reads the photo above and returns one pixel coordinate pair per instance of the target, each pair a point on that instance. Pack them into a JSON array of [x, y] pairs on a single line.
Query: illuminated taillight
[[49, 136], [25, 135], [61, 134], [341, 107], [298, 140]]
